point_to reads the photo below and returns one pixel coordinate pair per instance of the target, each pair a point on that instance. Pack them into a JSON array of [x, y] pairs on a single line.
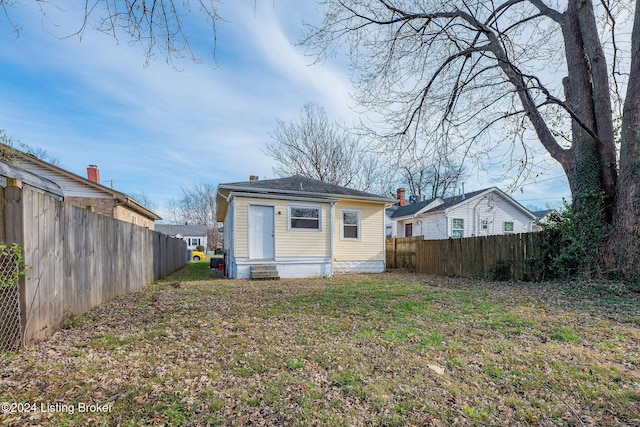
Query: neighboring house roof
[[120, 198], [541, 214], [450, 202], [183, 230], [29, 179], [411, 208], [296, 185], [391, 210]]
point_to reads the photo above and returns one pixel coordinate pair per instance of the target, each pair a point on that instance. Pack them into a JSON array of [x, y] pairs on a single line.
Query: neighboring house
[[542, 217], [478, 213], [83, 192], [194, 235], [304, 227]]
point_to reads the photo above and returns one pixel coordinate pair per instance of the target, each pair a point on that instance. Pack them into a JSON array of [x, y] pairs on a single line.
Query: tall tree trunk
[[593, 150], [624, 245]]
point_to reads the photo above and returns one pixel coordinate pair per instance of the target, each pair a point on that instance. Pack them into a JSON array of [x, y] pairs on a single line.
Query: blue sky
[[156, 129]]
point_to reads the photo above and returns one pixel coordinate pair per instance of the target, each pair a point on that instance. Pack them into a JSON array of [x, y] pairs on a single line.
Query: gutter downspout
[[476, 217], [332, 249]]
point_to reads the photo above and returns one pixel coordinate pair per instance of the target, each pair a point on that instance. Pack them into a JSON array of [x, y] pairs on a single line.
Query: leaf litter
[[388, 349]]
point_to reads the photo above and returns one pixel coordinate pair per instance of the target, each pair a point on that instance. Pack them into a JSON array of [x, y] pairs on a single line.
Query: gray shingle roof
[[183, 230], [410, 209], [413, 208], [298, 184], [449, 202], [541, 214]]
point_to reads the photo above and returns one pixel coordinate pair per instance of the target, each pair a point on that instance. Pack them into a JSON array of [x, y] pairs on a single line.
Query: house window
[[193, 241], [484, 224], [351, 224], [508, 227], [408, 230], [304, 217], [457, 230]]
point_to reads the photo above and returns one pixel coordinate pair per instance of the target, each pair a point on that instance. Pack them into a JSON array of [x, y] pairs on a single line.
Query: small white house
[[194, 235], [479, 213]]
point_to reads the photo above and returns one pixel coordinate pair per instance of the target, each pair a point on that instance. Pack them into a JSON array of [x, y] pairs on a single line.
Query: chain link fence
[[10, 328]]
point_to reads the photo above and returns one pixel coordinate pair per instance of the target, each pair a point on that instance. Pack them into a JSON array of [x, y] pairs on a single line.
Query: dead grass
[[391, 349]]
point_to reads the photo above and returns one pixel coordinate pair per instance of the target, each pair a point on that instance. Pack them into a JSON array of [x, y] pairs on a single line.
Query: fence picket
[[79, 259], [468, 257]]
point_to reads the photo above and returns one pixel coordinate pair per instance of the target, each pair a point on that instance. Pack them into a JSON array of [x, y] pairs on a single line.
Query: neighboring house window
[[304, 217], [133, 219], [351, 224], [408, 230], [194, 241], [484, 224], [457, 230], [508, 227]]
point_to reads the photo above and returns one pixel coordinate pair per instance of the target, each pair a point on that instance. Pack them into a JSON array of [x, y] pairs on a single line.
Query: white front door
[[261, 232]]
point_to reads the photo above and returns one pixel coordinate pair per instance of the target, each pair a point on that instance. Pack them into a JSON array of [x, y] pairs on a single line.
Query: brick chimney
[[401, 201], [93, 173], [253, 178]]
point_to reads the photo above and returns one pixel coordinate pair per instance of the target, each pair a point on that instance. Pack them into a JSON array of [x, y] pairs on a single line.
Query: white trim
[[453, 229], [273, 210], [358, 212], [513, 227], [275, 193], [304, 206], [332, 239]]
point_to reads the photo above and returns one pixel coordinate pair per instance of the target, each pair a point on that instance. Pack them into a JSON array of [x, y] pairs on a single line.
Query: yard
[[389, 349]]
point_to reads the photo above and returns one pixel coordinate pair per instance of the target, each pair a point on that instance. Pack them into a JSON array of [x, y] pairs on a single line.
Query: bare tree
[[40, 153], [503, 72], [144, 199], [157, 25], [435, 178], [37, 152], [197, 205], [315, 147]]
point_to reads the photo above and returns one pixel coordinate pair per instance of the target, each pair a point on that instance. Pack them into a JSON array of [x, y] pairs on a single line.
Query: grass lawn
[[389, 349]]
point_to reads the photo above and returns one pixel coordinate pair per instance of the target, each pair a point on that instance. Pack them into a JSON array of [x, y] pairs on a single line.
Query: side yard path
[[390, 349]]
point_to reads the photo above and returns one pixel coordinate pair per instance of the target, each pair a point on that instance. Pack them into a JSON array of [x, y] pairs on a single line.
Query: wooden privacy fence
[[77, 259], [505, 256], [401, 252]]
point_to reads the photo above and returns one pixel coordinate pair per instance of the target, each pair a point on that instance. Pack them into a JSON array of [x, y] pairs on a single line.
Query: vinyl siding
[[439, 226], [370, 246], [289, 243], [435, 227]]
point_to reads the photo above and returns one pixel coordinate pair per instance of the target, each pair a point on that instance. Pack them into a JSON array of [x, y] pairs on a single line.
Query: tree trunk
[[623, 252]]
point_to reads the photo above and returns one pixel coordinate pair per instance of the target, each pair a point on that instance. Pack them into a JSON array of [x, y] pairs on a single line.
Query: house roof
[[29, 179], [295, 185], [410, 209], [541, 214], [450, 202], [119, 197], [183, 230]]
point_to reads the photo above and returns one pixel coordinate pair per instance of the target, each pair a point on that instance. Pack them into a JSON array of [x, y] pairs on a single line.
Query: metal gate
[[10, 325]]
